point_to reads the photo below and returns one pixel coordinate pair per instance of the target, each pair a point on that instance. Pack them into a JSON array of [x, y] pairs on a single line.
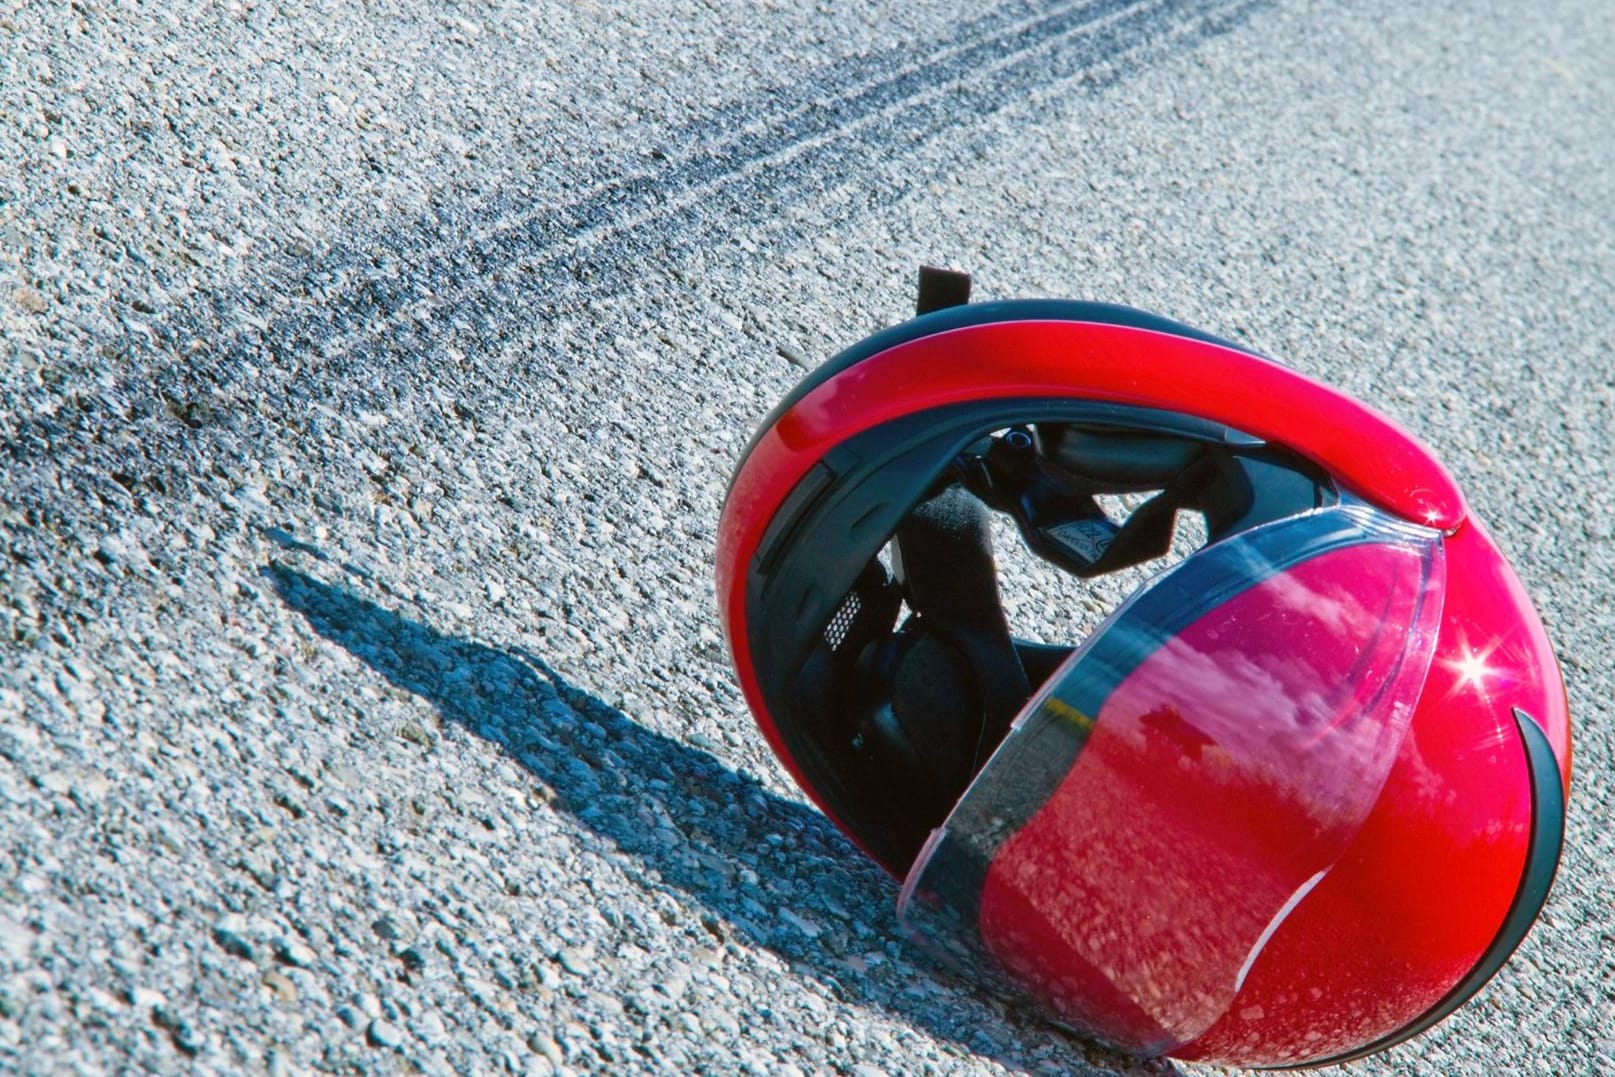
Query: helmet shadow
[[693, 824]]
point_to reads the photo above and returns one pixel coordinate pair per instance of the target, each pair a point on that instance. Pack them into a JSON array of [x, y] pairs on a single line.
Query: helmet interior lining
[[827, 614]]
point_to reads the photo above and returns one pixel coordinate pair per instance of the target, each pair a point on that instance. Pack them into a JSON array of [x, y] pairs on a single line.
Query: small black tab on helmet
[[940, 289]]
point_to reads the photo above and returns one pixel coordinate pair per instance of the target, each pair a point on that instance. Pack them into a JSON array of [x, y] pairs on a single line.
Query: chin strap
[[957, 681]]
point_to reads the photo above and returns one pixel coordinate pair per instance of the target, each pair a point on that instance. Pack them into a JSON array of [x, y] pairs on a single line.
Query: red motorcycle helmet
[[1293, 802]]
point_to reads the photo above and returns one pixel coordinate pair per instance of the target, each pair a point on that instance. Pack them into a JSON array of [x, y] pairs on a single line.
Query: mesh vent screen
[[835, 633]]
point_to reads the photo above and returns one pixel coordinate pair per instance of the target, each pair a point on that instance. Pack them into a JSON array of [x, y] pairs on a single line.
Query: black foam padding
[[944, 549], [945, 559], [1119, 461], [938, 707]]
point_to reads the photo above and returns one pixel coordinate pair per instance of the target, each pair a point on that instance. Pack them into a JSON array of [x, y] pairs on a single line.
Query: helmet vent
[[836, 632]]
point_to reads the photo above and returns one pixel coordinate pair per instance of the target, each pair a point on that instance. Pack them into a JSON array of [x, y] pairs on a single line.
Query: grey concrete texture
[[370, 377]]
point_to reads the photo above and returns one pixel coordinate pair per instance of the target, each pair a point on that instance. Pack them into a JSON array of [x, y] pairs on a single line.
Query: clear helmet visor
[[1186, 778]]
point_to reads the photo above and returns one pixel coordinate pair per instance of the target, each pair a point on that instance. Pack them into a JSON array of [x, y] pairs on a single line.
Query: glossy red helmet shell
[[1294, 802]]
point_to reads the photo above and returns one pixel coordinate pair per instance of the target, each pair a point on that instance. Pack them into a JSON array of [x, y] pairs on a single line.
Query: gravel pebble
[[576, 960], [291, 952], [229, 933], [29, 301], [383, 1033], [284, 990], [545, 1045]]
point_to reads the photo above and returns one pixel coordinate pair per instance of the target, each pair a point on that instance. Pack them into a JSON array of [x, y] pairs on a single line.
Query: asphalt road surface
[[371, 377]]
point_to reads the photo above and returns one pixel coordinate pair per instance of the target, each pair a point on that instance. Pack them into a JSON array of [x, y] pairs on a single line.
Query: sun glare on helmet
[[1475, 670]]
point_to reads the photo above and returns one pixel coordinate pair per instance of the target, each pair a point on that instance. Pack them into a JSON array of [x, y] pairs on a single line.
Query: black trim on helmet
[[1541, 864]]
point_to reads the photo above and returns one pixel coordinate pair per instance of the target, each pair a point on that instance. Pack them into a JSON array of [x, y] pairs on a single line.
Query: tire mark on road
[[467, 280], [848, 128]]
